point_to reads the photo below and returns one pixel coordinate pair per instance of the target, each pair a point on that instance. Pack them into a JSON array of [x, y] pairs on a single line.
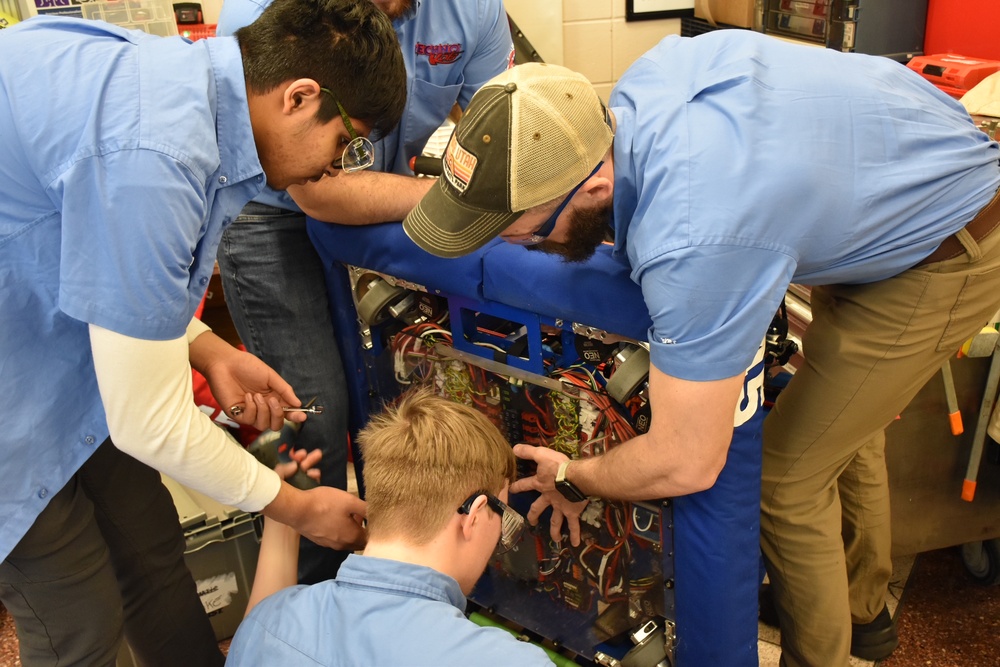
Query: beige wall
[[210, 10], [601, 44], [590, 36]]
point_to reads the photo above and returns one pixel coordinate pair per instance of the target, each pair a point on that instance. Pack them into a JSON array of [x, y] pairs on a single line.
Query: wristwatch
[[567, 488]]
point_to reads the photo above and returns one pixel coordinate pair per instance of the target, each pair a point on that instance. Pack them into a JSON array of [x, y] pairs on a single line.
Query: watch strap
[[561, 472], [566, 488]]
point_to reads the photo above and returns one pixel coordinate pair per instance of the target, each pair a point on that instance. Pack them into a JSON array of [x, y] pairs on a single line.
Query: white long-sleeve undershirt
[[148, 398]]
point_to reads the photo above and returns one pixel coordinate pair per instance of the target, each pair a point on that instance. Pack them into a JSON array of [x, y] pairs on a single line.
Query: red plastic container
[[954, 74]]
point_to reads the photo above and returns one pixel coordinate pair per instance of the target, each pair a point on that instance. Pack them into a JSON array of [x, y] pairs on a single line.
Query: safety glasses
[[359, 153], [511, 523]]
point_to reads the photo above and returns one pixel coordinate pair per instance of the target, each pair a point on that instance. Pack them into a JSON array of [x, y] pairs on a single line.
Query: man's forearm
[[277, 563], [643, 469], [146, 389], [683, 452], [361, 198], [287, 507]]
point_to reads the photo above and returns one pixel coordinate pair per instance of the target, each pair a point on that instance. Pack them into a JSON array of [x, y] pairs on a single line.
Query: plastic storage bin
[[222, 544], [10, 13], [153, 16], [221, 547]]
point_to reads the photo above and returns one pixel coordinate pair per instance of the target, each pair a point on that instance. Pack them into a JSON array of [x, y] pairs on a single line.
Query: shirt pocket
[[427, 108]]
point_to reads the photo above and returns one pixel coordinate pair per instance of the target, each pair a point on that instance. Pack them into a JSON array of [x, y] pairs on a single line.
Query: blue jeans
[[275, 289]]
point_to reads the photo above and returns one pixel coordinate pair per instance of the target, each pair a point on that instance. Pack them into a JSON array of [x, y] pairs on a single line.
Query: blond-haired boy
[[436, 475]]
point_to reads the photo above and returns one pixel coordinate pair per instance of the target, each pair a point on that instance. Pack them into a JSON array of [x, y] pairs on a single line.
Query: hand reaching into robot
[[547, 462]]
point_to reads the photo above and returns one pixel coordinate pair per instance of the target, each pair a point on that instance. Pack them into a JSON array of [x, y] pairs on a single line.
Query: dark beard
[[403, 8], [588, 229]]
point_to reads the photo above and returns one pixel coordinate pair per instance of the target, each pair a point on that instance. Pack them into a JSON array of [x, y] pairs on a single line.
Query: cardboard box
[[739, 13]]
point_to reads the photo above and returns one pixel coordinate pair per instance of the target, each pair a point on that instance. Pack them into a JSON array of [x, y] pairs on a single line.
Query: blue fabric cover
[[386, 248], [597, 293]]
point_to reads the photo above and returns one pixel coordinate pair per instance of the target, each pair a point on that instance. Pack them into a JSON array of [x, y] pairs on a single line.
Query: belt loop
[[970, 244]]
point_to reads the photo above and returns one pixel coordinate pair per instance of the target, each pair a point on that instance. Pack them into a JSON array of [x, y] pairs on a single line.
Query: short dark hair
[[348, 46]]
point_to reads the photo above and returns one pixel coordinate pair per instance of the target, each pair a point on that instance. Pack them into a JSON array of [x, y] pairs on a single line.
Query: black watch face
[[570, 492]]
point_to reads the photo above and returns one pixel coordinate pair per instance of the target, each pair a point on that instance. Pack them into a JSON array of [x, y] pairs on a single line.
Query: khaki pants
[[825, 499]]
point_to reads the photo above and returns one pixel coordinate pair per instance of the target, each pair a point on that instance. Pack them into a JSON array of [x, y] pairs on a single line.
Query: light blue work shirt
[[124, 157], [376, 612], [450, 50], [744, 163]]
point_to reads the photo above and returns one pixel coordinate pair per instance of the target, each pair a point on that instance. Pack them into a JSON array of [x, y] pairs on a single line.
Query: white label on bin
[[217, 592]]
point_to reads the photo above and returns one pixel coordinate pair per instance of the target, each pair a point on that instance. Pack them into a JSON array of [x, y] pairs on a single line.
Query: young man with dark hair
[[451, 47], [437, 475], [125, 157]]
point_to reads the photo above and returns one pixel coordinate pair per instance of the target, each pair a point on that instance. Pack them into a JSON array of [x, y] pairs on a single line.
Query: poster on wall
[[59, 7], [642, 10]]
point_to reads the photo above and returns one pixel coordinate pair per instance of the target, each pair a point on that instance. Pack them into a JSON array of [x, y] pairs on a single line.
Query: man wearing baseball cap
[[726, 167]]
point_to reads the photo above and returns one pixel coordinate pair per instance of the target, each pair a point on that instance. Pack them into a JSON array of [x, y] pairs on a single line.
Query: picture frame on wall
[[644, 10]]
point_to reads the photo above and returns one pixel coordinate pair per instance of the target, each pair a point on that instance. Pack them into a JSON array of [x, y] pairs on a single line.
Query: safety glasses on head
[[511, 523], [359, 153]]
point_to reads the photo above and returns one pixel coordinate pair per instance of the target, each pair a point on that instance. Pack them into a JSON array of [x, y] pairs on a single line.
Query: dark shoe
[[876, 640], [869, 641], [767, 613]]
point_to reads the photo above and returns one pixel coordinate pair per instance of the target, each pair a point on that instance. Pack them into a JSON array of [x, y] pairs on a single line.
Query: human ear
[[299, 94], [475, 516], [598, 188]]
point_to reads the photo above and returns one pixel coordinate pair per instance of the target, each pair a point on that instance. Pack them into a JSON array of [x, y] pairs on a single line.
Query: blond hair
[[422, 458]]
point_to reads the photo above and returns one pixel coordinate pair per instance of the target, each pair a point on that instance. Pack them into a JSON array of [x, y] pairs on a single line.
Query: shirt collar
[[623, 207], [237, 150], [392, 575]]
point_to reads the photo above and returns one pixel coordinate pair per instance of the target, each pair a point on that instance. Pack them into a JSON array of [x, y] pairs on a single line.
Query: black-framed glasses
[[511, 522], [359, 153]]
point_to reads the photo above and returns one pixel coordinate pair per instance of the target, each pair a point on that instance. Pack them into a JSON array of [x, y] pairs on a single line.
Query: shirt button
[[89, 440], [203, 281], [260, 178], [42, 493], [223, 180]]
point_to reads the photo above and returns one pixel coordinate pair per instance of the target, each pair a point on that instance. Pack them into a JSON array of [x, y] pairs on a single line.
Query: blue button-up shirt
[[376, 612], [743, 163], [124, 157], [450, 50]]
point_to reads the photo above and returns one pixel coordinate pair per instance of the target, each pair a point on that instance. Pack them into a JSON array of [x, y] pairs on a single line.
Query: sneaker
[[876, 640]]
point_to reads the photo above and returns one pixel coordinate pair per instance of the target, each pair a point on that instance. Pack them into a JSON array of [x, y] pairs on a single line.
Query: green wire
[[557, 658]]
